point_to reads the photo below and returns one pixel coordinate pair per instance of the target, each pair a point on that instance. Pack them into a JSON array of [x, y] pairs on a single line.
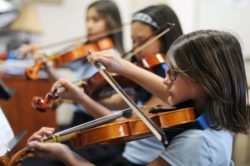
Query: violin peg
[[38, 104]]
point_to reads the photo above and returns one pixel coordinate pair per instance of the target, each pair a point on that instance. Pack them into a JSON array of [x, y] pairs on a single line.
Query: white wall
[[228, 15]]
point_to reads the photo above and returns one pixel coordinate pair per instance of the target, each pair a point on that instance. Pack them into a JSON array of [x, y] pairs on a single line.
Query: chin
[[170, 101]]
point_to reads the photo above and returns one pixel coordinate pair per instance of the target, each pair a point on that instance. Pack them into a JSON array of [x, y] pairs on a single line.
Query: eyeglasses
[[172, 74]]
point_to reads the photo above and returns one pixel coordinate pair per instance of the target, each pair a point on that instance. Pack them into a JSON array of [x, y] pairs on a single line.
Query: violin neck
[[71, 133]]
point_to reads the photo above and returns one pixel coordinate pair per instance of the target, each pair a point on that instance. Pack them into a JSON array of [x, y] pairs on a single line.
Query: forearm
[[94, 108], [148, 80]]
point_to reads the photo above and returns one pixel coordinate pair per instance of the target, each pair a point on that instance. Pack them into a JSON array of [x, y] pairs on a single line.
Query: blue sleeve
[[188, 150]]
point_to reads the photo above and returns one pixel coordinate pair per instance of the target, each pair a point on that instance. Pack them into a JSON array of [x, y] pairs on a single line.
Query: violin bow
[[80, 38], [156, 130], [166, 28]]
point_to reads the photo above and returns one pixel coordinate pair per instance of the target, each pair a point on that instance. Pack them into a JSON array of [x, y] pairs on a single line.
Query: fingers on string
[[44, 131]]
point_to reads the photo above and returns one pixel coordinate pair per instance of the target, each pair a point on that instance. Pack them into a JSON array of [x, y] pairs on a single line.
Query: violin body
[[4, 160], [152, 60], [75, 54], [132, 128], [114, 132]]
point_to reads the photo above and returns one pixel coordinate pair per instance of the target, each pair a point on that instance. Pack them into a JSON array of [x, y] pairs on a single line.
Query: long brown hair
[[111, 14], [214, 59]]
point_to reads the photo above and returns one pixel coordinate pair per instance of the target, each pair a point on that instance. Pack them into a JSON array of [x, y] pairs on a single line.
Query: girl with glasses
[[207, 68]]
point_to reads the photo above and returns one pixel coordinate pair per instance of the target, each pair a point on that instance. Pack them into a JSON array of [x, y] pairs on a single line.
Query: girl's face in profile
[[141, 32], [96, 23], [180, 88]]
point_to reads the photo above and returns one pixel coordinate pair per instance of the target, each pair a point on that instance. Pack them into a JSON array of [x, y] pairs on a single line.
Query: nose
[[89, 26]]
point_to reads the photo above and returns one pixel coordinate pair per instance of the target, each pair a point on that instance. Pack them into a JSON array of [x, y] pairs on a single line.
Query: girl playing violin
[[206, 67], [102, 16], [144, 24]]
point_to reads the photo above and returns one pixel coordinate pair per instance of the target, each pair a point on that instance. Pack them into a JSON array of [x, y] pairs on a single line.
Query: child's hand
[[109, 59], [72, 92], [43, 132]]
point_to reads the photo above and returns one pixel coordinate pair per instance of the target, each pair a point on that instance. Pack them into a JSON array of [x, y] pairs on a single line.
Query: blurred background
[[50, 21]]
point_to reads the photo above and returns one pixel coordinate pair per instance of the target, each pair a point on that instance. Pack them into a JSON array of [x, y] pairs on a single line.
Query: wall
[[229, 15]]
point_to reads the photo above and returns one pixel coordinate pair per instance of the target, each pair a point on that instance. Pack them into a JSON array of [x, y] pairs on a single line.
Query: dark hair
[[111, 14], [162, 14], [214, 59]]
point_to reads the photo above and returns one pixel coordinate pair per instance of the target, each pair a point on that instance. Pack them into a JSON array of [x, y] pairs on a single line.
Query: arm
[[40, 55], [115, 102], [77, 95], [94, 108], [146, 79]]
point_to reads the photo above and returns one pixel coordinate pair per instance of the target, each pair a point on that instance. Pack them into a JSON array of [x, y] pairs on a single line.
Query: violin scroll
[[32, 72], [40, 104], [20, 156], [4, 160]]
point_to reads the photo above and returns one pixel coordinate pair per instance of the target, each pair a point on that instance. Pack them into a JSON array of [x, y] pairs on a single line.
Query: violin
[[96, 83], [92, 87], [113, 132], [82, 51], [151, 61], [43, 104], [4, 160], [74, 54]]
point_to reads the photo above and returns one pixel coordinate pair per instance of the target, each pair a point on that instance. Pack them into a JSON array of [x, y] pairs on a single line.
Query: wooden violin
[[64, 57], [42, 104], [94, 84], [92, 87], [4, 160], [113, 132]]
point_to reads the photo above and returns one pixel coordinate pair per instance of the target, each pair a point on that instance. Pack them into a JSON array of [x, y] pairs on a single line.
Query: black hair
[[162, 14]]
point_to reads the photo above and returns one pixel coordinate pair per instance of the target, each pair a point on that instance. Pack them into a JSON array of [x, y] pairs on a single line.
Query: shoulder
[[200, 147]]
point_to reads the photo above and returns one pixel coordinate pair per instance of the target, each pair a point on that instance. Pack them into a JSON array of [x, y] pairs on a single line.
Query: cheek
[[100, 27], [181, 92]]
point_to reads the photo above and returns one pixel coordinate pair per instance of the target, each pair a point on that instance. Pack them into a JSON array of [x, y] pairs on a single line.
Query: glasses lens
[[171, 74]]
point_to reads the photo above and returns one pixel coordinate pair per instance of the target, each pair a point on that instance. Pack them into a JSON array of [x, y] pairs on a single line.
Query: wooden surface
[[18, 108]]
